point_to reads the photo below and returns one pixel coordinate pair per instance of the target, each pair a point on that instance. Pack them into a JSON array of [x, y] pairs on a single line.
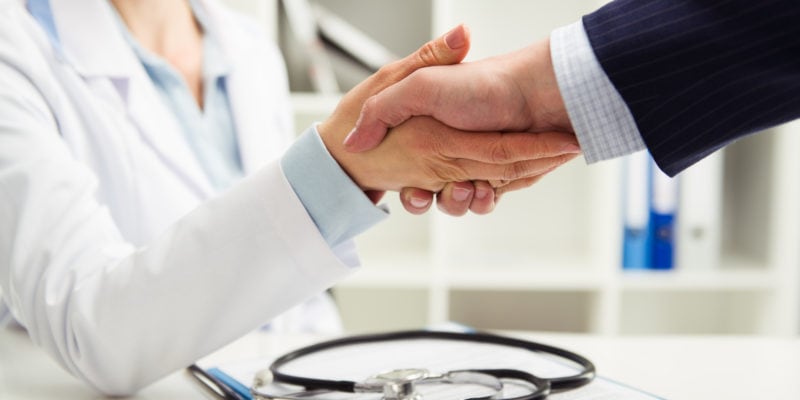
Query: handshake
[[467, 133]]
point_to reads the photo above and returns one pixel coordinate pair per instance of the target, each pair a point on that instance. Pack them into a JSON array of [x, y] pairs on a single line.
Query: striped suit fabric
[[699, 74]]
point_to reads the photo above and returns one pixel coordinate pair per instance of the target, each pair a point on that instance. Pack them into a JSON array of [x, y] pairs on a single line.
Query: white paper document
[[359, 362]]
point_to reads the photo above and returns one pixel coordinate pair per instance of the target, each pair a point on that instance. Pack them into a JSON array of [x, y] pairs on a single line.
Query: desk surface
[[675, 367]]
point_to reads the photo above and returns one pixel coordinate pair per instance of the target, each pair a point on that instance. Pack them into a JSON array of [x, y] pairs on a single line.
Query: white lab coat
[[111, 253]]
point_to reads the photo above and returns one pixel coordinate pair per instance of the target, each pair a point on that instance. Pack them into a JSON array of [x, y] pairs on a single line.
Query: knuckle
[[368, 109], [519, 185], [500, 153], [427, 55], [514, 171], [450, 172], [391, 72], [496, 183]]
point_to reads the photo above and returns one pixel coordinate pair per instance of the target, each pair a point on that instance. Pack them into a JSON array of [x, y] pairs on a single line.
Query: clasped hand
[[463, 150]]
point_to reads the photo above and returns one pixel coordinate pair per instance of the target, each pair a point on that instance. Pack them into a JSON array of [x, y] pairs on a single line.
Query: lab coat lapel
[[262, 117], [97, 49], [161, 131]]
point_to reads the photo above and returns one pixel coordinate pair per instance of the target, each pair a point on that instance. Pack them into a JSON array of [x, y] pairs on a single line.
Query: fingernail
[[419, 203], [455, 39], [461, 194], [571, 148], [481, 193]]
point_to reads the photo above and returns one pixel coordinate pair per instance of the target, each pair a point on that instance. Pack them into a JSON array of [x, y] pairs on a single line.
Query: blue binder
[[636, 208], [663, 206]]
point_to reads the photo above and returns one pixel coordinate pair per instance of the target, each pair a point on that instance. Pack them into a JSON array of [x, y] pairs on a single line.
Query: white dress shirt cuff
[[339, 208], [600, 117]]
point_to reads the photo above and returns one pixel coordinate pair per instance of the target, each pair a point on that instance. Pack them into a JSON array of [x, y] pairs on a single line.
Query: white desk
[[688, 368]]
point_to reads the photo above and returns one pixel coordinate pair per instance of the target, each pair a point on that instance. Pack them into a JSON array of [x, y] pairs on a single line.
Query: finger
[[416, 201], [455, 198], [498, 183], [376, 119], [504, 148], [525, 182], [451, 48], [477, 170], [483, 199], [517, 185]]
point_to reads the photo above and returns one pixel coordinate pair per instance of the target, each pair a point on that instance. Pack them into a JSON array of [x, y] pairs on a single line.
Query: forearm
[[534, 73]]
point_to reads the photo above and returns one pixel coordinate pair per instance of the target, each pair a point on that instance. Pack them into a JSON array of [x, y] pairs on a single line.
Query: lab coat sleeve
[[121, 317]]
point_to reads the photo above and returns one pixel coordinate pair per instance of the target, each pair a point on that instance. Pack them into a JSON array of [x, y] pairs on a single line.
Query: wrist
[[537, 79], [333, 139]]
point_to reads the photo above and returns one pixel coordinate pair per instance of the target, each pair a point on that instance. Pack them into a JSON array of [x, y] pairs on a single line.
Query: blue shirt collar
[[41, 12]]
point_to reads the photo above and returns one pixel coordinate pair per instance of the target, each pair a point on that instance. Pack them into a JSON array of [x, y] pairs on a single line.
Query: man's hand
[[513, 92]]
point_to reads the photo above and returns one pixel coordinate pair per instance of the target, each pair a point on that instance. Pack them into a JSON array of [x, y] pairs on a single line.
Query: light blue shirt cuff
[[600, 117], [339, 208]]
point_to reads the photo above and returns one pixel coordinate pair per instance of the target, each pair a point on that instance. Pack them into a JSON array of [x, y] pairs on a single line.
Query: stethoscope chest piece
[[398, 384]]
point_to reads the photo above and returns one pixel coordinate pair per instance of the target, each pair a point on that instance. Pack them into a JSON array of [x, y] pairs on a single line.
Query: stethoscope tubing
[[543, 388]]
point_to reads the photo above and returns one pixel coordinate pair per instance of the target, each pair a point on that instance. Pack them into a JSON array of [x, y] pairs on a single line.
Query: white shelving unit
[[549, 257]]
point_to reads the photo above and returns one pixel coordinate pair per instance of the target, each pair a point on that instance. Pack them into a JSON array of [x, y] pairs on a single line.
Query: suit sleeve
[[697, 75]]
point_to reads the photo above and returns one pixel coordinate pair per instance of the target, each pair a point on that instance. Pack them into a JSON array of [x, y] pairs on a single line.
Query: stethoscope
[[401, 384]]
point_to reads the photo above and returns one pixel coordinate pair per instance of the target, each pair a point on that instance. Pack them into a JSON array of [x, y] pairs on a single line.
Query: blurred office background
[[549, 258]]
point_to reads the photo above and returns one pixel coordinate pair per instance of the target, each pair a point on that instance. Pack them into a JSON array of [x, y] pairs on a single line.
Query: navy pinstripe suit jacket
[[698, 74]]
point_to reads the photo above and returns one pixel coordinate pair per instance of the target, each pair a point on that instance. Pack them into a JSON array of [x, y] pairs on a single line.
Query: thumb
[[370, 128]]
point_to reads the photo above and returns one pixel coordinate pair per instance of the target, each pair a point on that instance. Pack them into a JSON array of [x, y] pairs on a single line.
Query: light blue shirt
[[334, 202], [210, 131], [603, 124], [339, 208]]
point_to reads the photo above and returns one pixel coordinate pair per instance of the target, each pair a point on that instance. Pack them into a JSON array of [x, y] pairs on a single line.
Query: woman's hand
[[450, 48]]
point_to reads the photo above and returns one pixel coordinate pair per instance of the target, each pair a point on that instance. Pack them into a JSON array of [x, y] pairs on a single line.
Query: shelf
[[408, 273], [712, 280], [373, 308], [549, 279], [526, 263], [563, 311], [694, 312]]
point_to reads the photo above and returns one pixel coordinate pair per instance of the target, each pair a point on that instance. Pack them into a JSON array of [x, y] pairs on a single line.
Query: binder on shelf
[[304, 27], [663, 206], [636, 237], [698, 232]]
